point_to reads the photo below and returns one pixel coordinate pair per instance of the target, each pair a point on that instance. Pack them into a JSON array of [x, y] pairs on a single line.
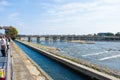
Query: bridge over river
[[68, 38]]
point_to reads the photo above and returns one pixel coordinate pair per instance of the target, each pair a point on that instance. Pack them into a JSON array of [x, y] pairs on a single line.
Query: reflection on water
[[102, 53]]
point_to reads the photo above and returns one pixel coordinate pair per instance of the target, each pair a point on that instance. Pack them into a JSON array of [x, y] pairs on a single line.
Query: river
[[105, 54]]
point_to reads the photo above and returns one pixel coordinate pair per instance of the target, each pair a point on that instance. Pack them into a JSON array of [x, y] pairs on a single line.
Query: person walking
[[7, 44], [3, 46]]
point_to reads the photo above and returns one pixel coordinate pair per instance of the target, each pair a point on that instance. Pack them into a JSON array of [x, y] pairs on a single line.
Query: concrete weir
[[75, 66]]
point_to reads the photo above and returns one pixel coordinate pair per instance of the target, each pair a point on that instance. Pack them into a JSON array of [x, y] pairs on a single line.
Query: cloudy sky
[[61, 16]]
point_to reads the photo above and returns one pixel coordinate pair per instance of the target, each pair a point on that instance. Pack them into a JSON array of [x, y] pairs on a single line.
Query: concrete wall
[[75, 66]]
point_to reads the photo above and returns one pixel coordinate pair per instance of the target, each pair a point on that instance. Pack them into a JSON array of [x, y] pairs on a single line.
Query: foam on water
[[95, 54], [109, 57]]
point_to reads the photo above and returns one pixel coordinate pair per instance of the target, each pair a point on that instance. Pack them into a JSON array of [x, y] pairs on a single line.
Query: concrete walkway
[[20, 70], [24, 68]]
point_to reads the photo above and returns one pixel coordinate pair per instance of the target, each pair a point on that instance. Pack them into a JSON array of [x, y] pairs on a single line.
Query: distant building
[[105, 34]]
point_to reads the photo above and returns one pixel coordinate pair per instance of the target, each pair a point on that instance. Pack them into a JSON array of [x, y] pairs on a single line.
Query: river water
[[105, 54]]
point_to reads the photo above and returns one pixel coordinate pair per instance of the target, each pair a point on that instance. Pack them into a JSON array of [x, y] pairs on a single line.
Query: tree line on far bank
[[108, 34], [117, 34]]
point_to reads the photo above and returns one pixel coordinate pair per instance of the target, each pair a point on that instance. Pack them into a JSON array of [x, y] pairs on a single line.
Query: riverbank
[[24, 67], [94, 67]]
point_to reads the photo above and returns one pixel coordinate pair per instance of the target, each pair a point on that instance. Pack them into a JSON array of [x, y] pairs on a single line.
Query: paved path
[[21, 72], [24, 68]]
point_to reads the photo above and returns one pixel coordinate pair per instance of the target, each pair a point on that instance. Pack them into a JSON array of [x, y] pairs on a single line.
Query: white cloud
[[110, 1], [3, 4], [15, 18], [100, 8], [58, 0], [99, 15], [72, 8]]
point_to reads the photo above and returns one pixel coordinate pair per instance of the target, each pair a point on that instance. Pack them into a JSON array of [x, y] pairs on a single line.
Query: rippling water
[[102, 53]]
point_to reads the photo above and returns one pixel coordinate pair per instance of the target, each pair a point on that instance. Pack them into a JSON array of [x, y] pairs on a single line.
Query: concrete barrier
[[75, 66]]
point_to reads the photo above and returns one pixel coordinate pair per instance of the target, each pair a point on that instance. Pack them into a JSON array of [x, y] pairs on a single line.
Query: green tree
[[110, 34], [11, 32], [105, 34], [117, 34]]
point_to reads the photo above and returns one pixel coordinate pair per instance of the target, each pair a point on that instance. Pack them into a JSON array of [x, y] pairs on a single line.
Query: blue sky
[[40, 17]]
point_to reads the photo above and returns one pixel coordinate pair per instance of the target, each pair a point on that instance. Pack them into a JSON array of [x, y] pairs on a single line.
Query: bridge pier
[[38, 39], [62, 38], [46, 38], [69, 38], [29, 39], [54, 38]]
